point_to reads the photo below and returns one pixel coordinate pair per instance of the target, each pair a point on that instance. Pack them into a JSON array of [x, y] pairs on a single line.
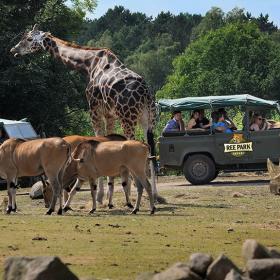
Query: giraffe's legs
[[157, 197], [109, 129], [96, 120]]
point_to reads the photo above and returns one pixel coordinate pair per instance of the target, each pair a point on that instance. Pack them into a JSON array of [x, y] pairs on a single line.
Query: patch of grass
[[113, 244]]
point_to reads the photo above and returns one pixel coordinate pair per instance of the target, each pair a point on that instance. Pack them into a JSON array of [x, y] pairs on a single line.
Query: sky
[[154, 7]]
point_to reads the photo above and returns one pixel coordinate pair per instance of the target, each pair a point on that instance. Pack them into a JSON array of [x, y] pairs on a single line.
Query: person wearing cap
[[230, 124], [219, 124], [176, 123]]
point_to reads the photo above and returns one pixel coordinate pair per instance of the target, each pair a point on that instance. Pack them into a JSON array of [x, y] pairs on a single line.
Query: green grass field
[[113, 244]]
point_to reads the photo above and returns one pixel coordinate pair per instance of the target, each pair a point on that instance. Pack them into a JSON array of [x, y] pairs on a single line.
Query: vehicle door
[[232, 148], [266, 144]]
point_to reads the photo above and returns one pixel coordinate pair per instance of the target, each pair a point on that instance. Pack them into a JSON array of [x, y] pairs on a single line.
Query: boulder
[[179, 271], [234, 275], [36, 268], [199, 263], [251, 249], [220, 267], [36, 191], [263, 269]]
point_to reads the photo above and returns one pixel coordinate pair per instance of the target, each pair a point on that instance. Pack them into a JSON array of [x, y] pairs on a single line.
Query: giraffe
[[113, 92]]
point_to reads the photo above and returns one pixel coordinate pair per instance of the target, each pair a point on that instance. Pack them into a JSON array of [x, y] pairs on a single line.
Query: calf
[[93, 159], [70, 181], [32, 158]]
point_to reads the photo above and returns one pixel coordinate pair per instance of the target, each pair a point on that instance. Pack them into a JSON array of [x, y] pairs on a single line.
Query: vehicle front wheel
[[199, 169]]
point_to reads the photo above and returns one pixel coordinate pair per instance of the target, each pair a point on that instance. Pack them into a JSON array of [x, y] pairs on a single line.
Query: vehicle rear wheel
[[199, 169]]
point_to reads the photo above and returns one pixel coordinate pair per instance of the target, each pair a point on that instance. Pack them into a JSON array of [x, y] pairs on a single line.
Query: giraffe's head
[[30, 42]]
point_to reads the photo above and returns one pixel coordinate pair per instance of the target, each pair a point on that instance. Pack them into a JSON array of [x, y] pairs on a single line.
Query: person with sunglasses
[[259, 123]]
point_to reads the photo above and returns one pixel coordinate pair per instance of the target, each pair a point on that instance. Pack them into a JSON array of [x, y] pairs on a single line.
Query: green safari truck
[[202, 154]]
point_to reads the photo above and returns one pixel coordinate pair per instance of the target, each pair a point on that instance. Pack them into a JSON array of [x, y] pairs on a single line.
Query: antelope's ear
[[35, 27]]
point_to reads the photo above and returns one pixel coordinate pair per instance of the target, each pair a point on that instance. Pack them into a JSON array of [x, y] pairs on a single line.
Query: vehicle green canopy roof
[[209, 102]]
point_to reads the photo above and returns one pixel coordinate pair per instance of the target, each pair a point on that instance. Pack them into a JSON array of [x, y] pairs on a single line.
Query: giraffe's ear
[[35, 27]]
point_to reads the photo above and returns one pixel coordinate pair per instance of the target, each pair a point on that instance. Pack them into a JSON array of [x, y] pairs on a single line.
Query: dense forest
[[179, 55]]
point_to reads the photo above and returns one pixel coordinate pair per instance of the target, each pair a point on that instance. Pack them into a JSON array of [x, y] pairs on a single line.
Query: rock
[[220, 268], [36, 191], [251, 249], [36, 268], [273, 253], [179, 271], [234, 275], [263, 269], [145, 276], [237, 194], [199, 263]]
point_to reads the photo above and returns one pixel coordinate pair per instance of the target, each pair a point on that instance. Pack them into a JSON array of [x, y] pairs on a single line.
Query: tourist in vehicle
[[176, 123], [219, 123], [194, 122], [259, 123], [228, 121], [203, 121]]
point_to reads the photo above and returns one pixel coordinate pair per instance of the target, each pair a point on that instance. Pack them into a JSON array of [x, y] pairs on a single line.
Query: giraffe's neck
[[75, 57]]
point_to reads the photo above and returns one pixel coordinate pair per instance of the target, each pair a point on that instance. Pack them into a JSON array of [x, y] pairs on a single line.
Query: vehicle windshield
[[20, 130]]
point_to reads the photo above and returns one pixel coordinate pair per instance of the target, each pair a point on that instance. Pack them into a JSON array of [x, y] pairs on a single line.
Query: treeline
[[179, 55]]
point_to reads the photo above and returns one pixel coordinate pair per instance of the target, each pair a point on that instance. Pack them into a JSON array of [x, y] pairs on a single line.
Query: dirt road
[[223, 180]]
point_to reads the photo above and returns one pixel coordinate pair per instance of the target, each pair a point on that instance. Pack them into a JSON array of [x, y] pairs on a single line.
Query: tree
[[236, 59], [213, 20], [264, 24], [153, 60], [236, 15]]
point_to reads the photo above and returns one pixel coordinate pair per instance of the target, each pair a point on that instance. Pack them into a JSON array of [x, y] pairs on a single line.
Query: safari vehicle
[[201, 155], [16, 129]]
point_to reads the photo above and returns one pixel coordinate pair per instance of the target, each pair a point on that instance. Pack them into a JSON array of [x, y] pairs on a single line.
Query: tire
[[199, 169], [216, 175]]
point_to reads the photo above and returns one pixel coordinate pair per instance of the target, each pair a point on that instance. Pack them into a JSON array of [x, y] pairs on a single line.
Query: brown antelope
[[32, 158], [93, 159], [72, 183]]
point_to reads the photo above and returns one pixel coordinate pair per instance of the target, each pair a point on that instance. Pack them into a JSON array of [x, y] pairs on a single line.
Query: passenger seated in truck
[[194, 122], [203, 121], [176, 123], [228, 121], [219, 123], [259, 123]]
